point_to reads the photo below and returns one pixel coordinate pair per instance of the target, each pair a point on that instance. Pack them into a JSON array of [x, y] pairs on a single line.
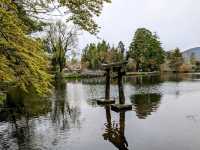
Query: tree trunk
[[120, 86]]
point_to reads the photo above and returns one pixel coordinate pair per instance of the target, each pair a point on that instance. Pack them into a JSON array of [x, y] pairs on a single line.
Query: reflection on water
[[144, 80], [63, 113], [18, 111], [69, 120], [23, 115], [145, 103], [114, 131]]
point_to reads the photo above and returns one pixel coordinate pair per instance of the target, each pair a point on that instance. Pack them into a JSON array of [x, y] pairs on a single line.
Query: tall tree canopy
[[121, 50], [22, 57], [193, 59], [175, 59], [61, 39], [146, 50], [96, 54], [121, 47], [22, 60], [80, 12]]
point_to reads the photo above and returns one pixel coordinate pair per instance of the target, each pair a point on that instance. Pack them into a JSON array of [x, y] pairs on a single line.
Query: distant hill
[[187, 54]]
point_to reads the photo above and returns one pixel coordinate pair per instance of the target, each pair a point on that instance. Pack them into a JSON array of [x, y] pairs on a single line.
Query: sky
[[177, 22]]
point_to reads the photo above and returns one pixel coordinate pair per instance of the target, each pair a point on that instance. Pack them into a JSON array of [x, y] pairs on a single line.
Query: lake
[[165, 116]]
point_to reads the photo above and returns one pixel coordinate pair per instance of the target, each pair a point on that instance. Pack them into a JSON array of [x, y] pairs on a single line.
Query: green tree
[[22, 60], [121, 48], [95, 54], [146, 50], [102, 48], [115, 55], [80, 12], [193, 59], [175, 60], [62, 38]]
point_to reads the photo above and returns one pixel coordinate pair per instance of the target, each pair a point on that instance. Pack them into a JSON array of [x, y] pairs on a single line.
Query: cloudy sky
[[177, 22]]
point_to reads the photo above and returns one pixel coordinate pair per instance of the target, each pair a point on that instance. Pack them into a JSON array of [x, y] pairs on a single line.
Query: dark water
[[165, 116]]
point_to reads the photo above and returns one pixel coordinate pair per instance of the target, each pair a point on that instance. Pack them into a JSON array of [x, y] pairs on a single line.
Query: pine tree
[[175, 60]]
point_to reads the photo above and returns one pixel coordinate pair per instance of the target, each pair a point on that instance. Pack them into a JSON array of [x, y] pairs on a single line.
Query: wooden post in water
[[122, 123], [107, 91], [115, 67], [120, 85], [120, 69]]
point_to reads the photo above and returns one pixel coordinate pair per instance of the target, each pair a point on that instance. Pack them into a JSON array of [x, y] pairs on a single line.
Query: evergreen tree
[[22, 58], [193, 59], [121, 48], [146, 50], [96, 54], [175, 60]]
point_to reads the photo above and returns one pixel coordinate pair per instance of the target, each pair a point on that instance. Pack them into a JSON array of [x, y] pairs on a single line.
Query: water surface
[[165, 116]]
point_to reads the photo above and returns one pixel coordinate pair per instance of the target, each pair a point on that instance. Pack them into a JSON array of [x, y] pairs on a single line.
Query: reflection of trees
[[174, 77], [144, 80], [178, 77], [93, 81], [157, 79], [63, 113], [145, 103], [25, 114], [19, 109], [114, 132]]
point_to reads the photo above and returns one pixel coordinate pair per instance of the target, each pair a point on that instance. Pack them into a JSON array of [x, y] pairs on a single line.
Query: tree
[[121, 48], [193, 59], [175, 60], [102, 48], [96, 54], [22, 57], [62, 38], [22, 60], [80, 12], [114, 55], [146, 50]]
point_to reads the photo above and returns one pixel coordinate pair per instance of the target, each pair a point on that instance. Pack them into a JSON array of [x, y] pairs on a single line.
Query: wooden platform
[[105, 102], [121, 107]]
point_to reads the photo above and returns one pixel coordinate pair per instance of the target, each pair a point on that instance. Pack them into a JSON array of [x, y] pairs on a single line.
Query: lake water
[[165, 116]]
